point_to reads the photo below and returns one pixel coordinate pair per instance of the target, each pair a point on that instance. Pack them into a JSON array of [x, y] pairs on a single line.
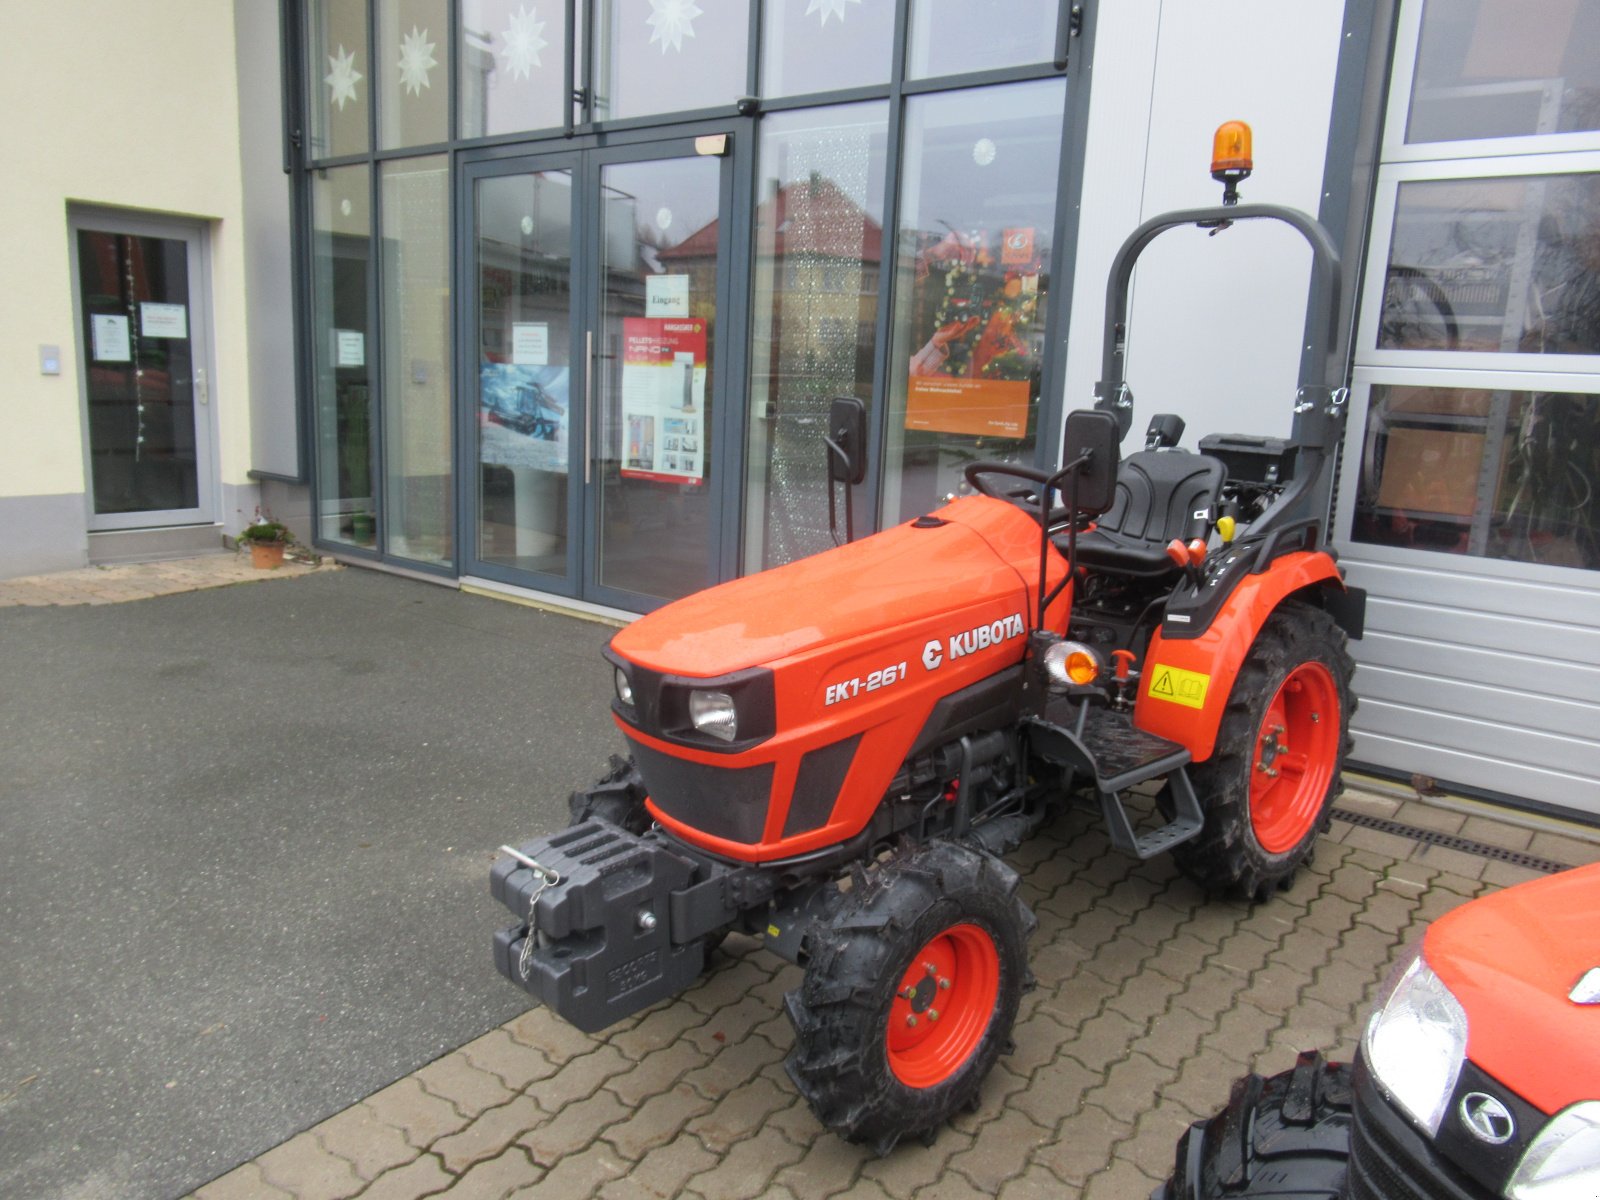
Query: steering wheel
[[1025, 495]]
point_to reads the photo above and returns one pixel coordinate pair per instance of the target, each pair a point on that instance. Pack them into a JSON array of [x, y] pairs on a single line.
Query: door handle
[[588, 403], [202, 392]]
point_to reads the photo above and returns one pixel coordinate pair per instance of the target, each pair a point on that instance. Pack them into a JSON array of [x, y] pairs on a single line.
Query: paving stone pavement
[[1151, 999]]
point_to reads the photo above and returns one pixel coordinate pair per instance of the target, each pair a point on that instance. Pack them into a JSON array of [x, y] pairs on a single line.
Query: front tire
[[1284, 1138], [910, 994], [1278, 764]]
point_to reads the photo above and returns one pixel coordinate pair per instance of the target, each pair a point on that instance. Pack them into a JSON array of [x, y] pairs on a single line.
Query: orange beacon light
[[1230, 158]]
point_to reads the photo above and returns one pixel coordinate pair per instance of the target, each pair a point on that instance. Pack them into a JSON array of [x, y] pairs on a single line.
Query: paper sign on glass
[[666, 296], [349, 348], [530, 344], [163, 320], [111, 339]]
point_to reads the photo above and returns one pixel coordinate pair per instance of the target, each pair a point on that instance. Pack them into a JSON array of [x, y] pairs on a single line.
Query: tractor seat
[[1161, 495]]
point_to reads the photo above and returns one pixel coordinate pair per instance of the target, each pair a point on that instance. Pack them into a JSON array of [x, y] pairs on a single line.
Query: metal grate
[[1450, 841]]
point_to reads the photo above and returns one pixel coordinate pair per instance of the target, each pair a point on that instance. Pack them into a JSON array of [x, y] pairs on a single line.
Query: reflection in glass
[[1507, 264], [950, 37], [511, 69], [1493, 474], [416, 358], [1505, 68], [413, 80], [972, 257], [140, 373], [824, 45], [654, 348], [669, 55], [338, 76], [819, 251], [525, 408], [341, 244]]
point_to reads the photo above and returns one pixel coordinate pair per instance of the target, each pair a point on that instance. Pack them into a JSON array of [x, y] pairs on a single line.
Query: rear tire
[[1284, 1138], [1268, 786], [910, 994]]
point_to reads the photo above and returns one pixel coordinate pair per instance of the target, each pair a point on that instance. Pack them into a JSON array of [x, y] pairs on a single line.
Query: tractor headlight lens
[[1564, 1161], [1416, 1042], [713, 713], [624, 688], [1068, 663]]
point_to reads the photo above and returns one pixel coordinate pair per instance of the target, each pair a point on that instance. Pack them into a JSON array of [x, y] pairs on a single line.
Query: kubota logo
[[970, 641]]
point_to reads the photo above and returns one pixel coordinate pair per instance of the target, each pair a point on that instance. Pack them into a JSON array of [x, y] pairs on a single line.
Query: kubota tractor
[[834, 755]]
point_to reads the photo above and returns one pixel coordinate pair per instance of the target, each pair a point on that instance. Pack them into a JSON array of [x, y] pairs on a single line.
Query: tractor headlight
[[624, 687], [1564, 1161], [713, 713], [1416, 1042], [1069, 663]]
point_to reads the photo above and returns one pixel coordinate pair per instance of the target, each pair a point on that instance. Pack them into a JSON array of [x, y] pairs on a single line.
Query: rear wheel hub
[[1295, 751]]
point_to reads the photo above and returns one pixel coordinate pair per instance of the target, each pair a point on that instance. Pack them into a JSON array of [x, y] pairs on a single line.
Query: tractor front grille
[[1391, 1160], [723, 802]]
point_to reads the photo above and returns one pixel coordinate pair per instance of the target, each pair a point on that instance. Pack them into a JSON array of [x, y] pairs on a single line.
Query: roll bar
[[1326, 285]]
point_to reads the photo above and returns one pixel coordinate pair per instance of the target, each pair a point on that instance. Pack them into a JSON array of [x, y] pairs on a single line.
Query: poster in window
[[973, 372], [522, 416], [110, 338], [663, 399]]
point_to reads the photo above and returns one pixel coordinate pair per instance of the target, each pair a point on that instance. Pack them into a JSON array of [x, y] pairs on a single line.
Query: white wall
[[1215, 334], [130, 106]]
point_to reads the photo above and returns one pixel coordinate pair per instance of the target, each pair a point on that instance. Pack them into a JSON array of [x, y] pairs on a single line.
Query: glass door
[[141, 313], [597, 281]]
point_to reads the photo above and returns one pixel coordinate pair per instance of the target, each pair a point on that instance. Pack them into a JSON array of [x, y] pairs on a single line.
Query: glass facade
[[977, 207], [417, 501], [1505, 68], [818, 262], [341, 254], [1480, 356], [668, 223]]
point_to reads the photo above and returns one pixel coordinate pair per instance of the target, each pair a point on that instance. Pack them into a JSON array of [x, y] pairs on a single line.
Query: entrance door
[[597, 279], [142, 327]]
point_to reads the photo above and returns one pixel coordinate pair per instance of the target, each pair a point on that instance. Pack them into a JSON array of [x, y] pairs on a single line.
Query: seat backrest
[[1164, 494]]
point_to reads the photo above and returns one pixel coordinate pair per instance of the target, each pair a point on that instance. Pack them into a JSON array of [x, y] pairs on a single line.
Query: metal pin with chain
[[547, 878]]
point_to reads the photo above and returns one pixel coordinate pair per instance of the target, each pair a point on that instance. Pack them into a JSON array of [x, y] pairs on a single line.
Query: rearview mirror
[[1093, 432], [847, 440]]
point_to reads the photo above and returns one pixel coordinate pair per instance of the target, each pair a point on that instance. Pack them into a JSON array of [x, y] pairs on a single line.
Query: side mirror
[[847, 440], [1093, 432]]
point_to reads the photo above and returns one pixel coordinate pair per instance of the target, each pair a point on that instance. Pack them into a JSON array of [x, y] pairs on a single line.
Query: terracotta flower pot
[[266, 555]]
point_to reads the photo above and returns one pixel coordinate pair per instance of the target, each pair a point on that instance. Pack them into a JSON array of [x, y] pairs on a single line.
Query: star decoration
[[524, 38], [416, 60], [672, 20], [829, 8], [342, 77]]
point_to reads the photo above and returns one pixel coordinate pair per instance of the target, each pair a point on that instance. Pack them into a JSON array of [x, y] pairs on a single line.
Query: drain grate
[[1450, 841]]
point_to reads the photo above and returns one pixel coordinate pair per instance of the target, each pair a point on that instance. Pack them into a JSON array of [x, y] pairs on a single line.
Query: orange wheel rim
[[1293, 757], [942, 1005]]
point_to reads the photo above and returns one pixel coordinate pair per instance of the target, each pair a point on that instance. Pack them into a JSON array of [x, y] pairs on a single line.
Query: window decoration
[[416, 60], [523, 41], [342, 78]]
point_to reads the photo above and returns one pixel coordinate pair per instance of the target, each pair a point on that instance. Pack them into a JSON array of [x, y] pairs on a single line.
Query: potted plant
[[266, 539]]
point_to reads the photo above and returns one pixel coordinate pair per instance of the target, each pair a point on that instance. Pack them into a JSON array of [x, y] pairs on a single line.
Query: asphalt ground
[[245, 836]]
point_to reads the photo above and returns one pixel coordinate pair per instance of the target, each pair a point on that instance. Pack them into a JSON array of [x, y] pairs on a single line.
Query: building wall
[[122, 106], [1215, 323]]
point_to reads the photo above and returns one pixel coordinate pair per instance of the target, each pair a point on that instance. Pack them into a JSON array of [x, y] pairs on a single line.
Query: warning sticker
[[1179, 686]]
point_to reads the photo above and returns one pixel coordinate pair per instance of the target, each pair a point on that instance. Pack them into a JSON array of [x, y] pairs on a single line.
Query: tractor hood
[[973, 551], [1512, 960]]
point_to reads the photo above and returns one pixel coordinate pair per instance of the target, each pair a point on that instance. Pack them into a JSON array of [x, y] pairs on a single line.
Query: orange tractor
[[834, 755]]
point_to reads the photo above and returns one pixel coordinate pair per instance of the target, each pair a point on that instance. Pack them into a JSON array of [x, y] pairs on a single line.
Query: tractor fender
[[1185, 682]]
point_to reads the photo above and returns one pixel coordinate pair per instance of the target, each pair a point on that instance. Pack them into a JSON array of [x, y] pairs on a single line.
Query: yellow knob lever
[[1225, 527]]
